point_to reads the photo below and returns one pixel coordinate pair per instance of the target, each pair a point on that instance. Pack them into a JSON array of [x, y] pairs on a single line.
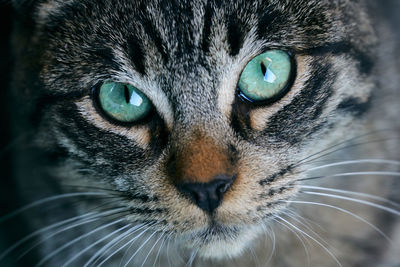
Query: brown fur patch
[[201, 161]]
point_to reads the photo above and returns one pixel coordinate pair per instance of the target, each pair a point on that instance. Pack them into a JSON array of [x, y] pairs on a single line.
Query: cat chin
[[222, 247]]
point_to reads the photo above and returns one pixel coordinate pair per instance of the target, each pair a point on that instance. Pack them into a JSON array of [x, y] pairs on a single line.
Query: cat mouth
[[217, 230], [218, 241]]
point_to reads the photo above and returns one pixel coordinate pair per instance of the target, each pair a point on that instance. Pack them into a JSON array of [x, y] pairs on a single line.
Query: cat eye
[[266, 77], [123, 102]]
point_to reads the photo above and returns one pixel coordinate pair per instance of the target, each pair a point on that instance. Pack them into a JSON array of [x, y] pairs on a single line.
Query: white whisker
[[344, 174], [94, 244], [307, 227], [168, 256], [192, 257], [45, 259], [352, 193], [110, 244], [335, 148], [56, 233], [297, 236], [123, 246], [159, 249], [49, 199], [273, 237], [359, 161], [342, 210], [312, 238], [95, 217], [151, 249], [44, 229], [141, 246], [368, 203]]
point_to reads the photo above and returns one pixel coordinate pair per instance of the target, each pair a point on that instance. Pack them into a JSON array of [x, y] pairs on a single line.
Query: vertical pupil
[[263, 68], [127, 95]]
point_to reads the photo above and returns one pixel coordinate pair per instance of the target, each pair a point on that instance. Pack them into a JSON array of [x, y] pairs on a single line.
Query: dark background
[[10, 230], [6, 184]]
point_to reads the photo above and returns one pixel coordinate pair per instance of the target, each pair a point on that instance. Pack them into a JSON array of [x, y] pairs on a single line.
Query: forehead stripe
[[136, 54]]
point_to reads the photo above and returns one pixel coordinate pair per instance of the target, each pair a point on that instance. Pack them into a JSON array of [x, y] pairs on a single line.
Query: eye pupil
[[127, 94], [263, 68]]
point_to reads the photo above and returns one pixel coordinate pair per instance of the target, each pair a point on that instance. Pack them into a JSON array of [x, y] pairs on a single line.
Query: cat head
[[203, 156]]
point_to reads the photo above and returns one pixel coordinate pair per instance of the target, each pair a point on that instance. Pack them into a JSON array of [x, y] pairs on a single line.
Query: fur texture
[[187, 58]]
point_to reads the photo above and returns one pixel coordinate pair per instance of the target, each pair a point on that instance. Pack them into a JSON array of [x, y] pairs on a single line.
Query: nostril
[[223, 188], [207, 196]]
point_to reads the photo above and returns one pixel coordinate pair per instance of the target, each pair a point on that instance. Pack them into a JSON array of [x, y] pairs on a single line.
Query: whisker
[[123, 246], [305, 221], [374, 197], [307, 227], [341, 148], [128, 249], [94, 244], [297, 236], [359, 161], [45, 259], [341, 210], [116, 192], [48, 199], [151, 249], [377, 173], [168, 254], [44, 229], [110, 244], [344, 142], [192, 257], [312, 238], [56, 233], [273, 237], [159, 249], [141, 246], [368, 203]]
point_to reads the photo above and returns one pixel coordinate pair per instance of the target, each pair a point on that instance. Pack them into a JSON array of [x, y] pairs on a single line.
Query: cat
[[204, 133]]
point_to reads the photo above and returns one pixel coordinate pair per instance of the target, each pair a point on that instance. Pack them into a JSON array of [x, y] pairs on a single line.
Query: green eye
[[266, 76], [123, 102]]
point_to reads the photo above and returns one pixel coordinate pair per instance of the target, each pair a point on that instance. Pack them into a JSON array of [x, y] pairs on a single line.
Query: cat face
[[204, 164]]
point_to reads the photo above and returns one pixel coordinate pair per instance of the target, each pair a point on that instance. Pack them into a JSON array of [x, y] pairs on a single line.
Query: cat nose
[[207, 196]]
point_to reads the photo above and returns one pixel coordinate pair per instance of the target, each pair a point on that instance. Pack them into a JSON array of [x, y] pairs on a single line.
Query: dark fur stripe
[[208, 16], [105, 56], [366, 63], [355, 106], [265, 21], [136, 54], [236, 32], [292, 122], [146, 211], [275, 176], [153, 34]]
